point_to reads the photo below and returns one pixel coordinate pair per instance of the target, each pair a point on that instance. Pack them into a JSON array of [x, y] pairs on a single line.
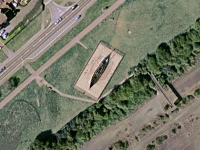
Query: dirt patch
[[100, 68], [188, 82]]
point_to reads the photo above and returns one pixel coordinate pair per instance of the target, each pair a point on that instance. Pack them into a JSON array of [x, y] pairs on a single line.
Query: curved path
[[66, 95], [61, 52]]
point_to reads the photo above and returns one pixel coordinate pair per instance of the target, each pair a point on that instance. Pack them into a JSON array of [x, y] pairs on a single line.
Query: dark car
[[75, 6], [2, 69]]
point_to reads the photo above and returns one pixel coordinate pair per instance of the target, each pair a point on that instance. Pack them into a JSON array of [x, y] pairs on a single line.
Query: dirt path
[[66, 95], [61, 52], [179, 116]]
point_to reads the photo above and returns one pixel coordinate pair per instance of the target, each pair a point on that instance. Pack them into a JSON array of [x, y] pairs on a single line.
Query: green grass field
[[91, 14], [64, 72], [28, 32], [2, 56], [150, 23], [53, 112], [23, 74]]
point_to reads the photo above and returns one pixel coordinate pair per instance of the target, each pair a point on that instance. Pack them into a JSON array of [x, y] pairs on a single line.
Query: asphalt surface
[[43, 40]]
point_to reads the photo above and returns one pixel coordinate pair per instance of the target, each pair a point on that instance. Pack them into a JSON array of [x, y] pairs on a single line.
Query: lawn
[[92, 13], [58, 1], [5, 89], [65, 71], [47, 17], [24, 119], [2, 56], [150, 23], [22, 37]]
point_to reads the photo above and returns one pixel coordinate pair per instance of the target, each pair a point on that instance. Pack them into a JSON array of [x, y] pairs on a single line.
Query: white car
[[77, 17], [2, 31], [58, 20], [5, 35]]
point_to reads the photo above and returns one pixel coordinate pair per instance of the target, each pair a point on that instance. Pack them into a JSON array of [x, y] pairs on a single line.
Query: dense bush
[[169, 61], [119, 145]]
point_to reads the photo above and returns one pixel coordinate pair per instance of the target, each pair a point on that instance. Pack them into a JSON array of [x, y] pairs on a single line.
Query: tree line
[[170, 60]]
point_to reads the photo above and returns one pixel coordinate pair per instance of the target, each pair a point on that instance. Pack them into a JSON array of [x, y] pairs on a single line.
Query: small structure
[[98, 71], [129, 31]]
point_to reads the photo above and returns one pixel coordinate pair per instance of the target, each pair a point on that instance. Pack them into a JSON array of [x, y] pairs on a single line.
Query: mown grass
[[53, 112], [2, 56], [64, 72], [91, 14], [23, 74], [23, 36], [150, 23]]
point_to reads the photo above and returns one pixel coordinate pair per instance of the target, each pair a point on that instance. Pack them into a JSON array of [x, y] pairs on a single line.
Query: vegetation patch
[[65, 71], [13, 82], [169, 61], [138, 27], [119, 145], [2, 56], [23, 36], [19, 116], [38, 8], [54, 112]]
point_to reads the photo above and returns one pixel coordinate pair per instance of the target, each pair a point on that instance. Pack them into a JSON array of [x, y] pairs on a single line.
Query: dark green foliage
[[14, 81], [161, 139], [166, 108], [174, 131], [150, 147], [197, 24], [120, 145], [197, 92], [175, 110]]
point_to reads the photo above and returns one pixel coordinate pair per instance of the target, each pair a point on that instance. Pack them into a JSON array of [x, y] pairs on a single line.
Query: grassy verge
[[58, 1], [52, 113], [2, 56], [150, 23], [47, 17], [22, 37], [65, 71], [5, 89], [91, 14]]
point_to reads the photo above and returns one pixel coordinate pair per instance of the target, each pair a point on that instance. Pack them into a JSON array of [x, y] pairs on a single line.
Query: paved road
[[61, 52], [43, 40], [56, 10]]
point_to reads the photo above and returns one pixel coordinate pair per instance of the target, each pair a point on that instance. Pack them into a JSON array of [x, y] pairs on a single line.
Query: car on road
[[2, 69], [58, 20], [77, 17], [5, 35], [75, 6], [2, 31]]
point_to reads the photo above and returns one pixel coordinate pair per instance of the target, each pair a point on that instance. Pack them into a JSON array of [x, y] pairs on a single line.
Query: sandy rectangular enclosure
[[101, 54]]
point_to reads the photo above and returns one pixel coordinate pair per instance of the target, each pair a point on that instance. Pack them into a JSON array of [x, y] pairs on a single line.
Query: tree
[[14, 81]]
